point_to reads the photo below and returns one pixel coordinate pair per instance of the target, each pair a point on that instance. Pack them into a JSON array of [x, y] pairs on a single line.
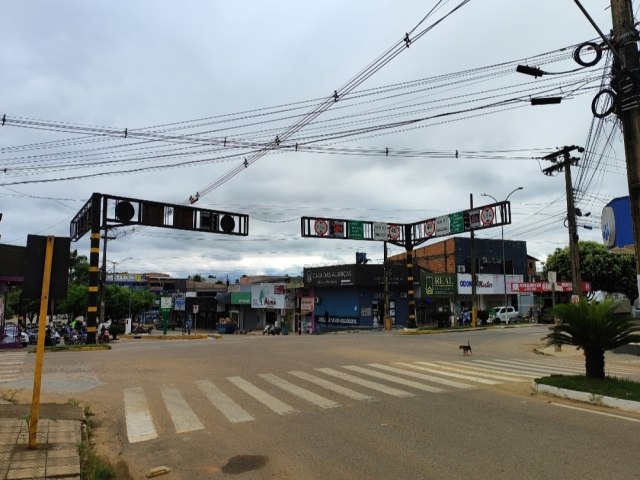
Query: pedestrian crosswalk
[[10, 365], [242, 399]]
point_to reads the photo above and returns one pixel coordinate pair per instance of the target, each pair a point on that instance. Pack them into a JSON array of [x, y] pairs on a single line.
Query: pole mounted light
[[504, 264]]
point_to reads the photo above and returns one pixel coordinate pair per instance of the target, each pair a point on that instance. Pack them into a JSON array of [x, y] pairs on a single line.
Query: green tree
[[605, 271], [78, 269], [197, 277], [594, 328], [76, 302]]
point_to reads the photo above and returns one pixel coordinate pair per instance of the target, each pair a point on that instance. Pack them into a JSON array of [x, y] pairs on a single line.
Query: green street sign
[[355, 230], [456, 222]]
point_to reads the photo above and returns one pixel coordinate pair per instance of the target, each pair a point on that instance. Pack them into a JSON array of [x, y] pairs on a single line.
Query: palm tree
[[593, 327]]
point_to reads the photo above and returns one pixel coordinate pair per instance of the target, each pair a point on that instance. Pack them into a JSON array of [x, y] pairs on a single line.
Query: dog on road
[[466, 349]]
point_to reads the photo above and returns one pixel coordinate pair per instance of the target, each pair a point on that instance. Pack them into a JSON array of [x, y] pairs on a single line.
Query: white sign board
[[442, 225], [380, 231]]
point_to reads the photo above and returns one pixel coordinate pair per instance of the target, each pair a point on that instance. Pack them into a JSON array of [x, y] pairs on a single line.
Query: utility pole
[[565, 165], [626, 83], [474, 276]]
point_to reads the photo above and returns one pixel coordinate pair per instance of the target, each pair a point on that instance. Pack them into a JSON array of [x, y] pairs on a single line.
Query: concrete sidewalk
[[60, 431]]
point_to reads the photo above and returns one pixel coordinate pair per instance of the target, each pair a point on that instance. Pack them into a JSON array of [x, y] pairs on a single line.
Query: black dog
[[466, 349]]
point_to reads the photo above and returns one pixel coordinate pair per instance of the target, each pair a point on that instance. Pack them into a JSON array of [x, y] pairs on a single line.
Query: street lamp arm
[[512, 192]]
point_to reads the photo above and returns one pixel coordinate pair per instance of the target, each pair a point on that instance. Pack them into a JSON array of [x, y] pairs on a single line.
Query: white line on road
[[515, 368], [263, 397], [422, 376], [182, 415], [441, 370], [494, 372], [621, 417], [334, 387], [391, 378], [378, 387], [300, 392], [139, 423], [230, 409]]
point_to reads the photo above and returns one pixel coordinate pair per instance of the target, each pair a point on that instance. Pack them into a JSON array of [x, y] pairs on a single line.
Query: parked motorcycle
[[271, 329]]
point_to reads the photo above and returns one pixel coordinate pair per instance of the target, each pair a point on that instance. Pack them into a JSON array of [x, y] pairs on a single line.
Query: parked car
[[504, 315]]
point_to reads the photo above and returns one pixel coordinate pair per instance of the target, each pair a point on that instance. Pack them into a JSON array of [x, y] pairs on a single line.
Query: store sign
[[486, 284], [268, 295], [543, 287], [307, 304], [328, 276], [437, 284]]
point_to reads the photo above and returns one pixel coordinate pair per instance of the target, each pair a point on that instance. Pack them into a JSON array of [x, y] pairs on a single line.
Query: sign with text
[[268, 295]]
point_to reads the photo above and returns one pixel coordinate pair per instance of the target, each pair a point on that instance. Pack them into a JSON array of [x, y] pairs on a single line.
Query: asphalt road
[[345, 406]]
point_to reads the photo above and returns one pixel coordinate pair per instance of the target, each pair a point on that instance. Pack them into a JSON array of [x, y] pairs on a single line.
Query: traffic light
[[467, 221]]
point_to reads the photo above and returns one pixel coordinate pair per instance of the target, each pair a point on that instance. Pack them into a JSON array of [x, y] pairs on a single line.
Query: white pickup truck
[[503, 315]]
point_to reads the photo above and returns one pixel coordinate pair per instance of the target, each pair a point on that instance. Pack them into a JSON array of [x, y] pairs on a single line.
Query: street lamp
[[504, 264], [113, 272]]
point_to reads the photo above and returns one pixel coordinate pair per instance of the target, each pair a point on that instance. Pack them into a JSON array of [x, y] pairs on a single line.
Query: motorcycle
[[71, 338], [271, 329], [103, 337]]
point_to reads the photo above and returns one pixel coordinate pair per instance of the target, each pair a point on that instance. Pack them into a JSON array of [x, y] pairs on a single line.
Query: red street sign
[[394, 232], [430, 228], [487, 215], [321, 227]]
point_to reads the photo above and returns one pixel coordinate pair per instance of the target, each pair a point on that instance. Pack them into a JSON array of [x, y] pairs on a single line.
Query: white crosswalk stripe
[[379, 387], [273, 391], [422, 376], [10, 365], [182, 415], [230, 409], [261, 396], [334, 387], [300, 392], [455, 373], [391, 378], [138, 419]]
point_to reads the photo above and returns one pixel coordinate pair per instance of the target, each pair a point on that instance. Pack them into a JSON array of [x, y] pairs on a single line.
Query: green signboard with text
[[437, 284]]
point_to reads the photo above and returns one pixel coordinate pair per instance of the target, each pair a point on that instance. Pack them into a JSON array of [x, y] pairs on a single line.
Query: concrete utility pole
[[626, 83], [568, 160]]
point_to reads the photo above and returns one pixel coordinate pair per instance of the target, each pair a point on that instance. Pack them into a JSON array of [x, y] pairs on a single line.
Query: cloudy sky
[[201, 87]]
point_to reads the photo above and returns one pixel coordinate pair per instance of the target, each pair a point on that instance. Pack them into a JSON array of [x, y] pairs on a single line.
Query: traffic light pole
[[411, 301], [474, 304]]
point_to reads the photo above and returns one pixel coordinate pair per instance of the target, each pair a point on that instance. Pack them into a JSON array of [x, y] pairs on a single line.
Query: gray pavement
[[60, 432]]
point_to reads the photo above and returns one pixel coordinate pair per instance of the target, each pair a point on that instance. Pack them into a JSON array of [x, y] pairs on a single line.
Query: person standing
[[188, 326]]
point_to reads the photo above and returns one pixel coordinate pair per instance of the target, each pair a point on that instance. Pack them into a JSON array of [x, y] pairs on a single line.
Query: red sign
[[539, 287], [321, 227]]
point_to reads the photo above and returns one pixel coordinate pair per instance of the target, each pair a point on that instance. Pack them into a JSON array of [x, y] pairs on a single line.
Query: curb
[[620, 404]]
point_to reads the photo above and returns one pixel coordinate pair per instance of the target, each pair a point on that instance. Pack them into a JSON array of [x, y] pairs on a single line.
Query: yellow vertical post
[[42, 325]]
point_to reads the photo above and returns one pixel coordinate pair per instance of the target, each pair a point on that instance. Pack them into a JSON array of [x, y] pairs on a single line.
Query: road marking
[[230, 409], [182, 415], [422, 376], [440, 371], [262, 396], [300, 392], [494, 372], [334, 387], [532, 372], [391, 378], [365, 383], [546, 368], [621, 417], [138, 420]]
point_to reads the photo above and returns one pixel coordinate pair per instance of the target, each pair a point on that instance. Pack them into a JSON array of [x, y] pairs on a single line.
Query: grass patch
[[94, 467], [608, 386]]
